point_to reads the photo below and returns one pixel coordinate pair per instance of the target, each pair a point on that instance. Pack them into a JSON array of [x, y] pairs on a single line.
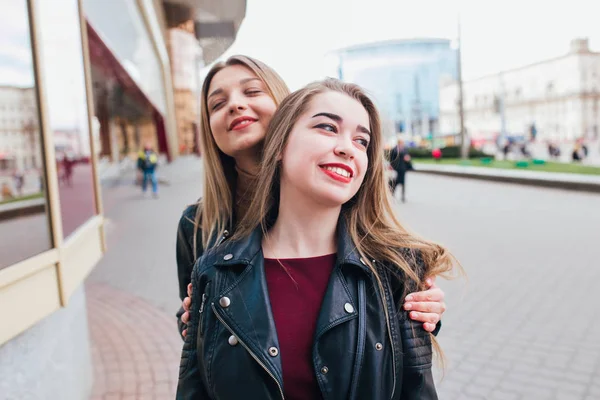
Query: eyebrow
[[243, 81], [339, 119]]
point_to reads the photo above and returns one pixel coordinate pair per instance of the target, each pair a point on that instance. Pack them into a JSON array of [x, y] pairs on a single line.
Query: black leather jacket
[[231, 348], [185, 254]]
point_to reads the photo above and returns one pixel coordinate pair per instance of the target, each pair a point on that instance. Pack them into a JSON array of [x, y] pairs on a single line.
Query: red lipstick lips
[[241, 122], [339, 172]]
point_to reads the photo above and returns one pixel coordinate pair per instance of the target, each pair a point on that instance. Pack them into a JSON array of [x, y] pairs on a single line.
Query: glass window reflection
[[24, 227], [64, 83]]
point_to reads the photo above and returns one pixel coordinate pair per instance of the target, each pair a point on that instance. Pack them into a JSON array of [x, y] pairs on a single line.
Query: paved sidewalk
[[579, 182], [132, 293], [135, 348]]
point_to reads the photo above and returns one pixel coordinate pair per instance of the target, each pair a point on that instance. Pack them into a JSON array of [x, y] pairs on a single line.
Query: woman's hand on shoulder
[[185, 317], [426, 306]]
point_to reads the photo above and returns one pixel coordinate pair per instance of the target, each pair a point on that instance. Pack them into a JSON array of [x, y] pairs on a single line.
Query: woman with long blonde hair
[[305, 301], [239, 98]]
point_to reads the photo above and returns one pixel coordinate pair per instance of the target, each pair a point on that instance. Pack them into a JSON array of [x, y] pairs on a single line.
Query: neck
[[249, 162], [303, 229], [244, 191]]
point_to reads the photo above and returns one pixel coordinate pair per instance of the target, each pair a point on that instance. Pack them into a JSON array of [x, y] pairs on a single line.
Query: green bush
[[447, 152]]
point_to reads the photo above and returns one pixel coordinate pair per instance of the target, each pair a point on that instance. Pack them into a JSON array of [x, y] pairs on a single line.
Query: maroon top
[[296, 307]]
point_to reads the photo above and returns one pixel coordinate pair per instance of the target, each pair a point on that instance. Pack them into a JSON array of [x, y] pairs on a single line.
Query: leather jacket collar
[[244, 250]]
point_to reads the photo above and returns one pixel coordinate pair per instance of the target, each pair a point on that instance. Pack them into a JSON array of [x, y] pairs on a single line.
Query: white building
[[559, 97], [19, 131]]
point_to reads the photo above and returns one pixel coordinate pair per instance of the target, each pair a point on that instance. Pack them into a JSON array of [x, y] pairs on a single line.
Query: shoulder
[[208, 259], [400, 283], [414, 258], [187, 221]]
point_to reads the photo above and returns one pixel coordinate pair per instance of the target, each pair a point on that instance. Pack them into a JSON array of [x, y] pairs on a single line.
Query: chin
[[332, 198], [244, 144]]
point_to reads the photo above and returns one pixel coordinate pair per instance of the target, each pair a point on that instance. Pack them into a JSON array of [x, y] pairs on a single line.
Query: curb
[[554, 184], [22, 208]]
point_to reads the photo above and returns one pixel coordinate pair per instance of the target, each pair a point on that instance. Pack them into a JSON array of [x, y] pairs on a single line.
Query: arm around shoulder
[[185, 254]]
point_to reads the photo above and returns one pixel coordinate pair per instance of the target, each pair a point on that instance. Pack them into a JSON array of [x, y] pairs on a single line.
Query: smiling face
[[325, 158], [239, 109]]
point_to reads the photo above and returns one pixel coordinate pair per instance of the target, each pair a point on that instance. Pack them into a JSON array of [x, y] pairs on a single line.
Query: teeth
[[339, 171], [244, 122]]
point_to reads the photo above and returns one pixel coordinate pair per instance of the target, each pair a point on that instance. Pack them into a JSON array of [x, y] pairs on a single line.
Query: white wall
[[51, 360]]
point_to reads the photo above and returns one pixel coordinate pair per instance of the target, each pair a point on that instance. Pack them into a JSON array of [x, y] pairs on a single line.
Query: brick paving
[[526, 323], [135, 348], [132, 293]]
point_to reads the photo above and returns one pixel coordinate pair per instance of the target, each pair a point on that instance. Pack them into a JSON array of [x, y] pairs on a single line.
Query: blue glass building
[[404, 77]]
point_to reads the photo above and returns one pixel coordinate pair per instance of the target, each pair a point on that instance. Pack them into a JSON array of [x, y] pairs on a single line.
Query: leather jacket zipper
[[387, 318], [225, 235], [249, 351], [202, 305], [389, 329]]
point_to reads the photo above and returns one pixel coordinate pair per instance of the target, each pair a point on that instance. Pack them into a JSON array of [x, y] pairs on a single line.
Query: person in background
[[401, 162], [147, 161], [553, 150], [19, 182]]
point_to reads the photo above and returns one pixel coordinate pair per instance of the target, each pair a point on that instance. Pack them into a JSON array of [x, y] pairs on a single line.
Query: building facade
[[186, 62], [403, 76], [19, 145], [83, 83], [556, 99]]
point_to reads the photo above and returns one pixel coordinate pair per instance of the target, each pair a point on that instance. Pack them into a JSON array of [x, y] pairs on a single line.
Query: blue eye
[[363, 142], [327, 127]]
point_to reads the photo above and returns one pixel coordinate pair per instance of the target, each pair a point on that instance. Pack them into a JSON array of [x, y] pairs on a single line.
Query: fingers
[[430, 282], [184, 333], [189, 290], [437, 307], [433, 294], [431, 318], [185, 317], [187, 302], [429, 327]]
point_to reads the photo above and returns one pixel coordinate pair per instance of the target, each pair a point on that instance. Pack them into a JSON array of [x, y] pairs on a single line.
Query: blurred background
[[496, 103]]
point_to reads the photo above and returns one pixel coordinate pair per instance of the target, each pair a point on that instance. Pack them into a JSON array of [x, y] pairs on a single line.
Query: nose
[[236, 103], [344, 147]]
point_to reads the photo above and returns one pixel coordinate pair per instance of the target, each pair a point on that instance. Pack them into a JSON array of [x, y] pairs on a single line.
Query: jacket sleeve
[[185, 255], [417, 377], [191, 384]]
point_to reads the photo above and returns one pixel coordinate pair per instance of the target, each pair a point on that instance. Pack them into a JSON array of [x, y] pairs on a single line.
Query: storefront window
[[64, 81], [24, 227], [125, 33]]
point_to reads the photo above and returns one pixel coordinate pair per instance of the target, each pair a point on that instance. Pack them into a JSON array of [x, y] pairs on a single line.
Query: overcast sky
[[295, 36]]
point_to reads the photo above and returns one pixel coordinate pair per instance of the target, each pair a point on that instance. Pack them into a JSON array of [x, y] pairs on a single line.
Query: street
[[523, 325]]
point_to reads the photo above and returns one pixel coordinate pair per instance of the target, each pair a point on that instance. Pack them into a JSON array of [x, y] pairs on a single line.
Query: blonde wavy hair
[[369, 215], [215, 210]]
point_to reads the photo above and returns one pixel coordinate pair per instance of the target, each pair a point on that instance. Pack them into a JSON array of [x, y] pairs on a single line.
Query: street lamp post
[[502, 109], [464, 151]]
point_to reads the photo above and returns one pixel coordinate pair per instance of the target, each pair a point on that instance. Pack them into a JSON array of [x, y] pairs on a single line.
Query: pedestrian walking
[[147, 162], [553, 150], [401, 162], [305, 300], [19, 182], [578, 153]]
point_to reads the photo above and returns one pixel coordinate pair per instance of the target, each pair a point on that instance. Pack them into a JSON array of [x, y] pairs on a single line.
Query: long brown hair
[[215, 210], [369, 215]]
